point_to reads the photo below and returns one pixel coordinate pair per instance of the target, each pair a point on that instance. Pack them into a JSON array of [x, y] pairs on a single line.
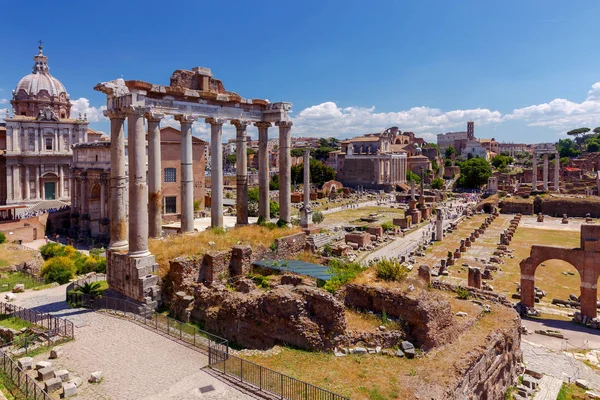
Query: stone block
[[425, 273], [56, 352], [45, 373], [19, 288], [63, 374], [77, 381], [241, 259], [582, 383], [95, 377], [52, 384], [362, 239], [25, 363], [474, 277], [43, 364], [69, 389], [10, 297], [375, 230]]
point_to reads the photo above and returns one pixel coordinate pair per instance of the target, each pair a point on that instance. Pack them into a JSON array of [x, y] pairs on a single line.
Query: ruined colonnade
[[545, 170]]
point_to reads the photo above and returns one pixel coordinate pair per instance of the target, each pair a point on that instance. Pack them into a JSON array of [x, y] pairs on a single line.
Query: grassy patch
[[11, 255], [570, 391], [7, 321], [7, 284]]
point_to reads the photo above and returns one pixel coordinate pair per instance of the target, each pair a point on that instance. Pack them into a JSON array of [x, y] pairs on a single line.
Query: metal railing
[[53, 325], [219, 357], [23, 382]]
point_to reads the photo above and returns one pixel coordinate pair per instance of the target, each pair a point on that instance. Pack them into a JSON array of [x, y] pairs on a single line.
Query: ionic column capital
[[154, 116], [215, 121], [239, 124], [135, 110], [284, 124], [262, 124], [115, 113], [185, 119]]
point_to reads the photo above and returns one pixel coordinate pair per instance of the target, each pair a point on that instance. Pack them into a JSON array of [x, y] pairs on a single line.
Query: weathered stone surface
[[45, 373], [43, 364], [69, 389], [301, 316], [63, 374], [56, 352], [25, 363], [53, 384], [77, 381], [582, 383], [10, 297], [95, 377], [19, 288]]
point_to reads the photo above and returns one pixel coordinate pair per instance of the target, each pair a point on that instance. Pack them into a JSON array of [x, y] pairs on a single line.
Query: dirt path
[[136, 362]]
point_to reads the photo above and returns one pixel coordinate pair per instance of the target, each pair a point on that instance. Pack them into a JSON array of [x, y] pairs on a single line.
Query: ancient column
[[216, 174], [85, 205], [17, 182], [138, 192], [102, 196], [285, 170], [534, 172], [38, 194], [556, 171], [306, 211], [187, 173], [9, 183], [118, 180], [422, 181], [27, 183], [263, 169], [154, 179], [61, 182], [241, 200], [545, 172]]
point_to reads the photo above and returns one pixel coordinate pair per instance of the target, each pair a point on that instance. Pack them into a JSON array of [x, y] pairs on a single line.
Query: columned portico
[[285, 170], [534, 173], [241, 201], [263, 170], [545, 172], [216, 172], [155, 197], [118, 180], [556, 172], [187, 174], [138, 194]]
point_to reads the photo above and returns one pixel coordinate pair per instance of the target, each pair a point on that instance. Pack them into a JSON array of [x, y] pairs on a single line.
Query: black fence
[[53, 325], [219, 357], [21, 380]]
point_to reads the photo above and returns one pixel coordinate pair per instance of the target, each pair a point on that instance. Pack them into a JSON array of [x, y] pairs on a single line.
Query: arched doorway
[[49, 185]]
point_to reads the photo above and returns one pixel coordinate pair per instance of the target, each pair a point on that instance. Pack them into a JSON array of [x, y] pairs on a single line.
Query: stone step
[[549, 387]]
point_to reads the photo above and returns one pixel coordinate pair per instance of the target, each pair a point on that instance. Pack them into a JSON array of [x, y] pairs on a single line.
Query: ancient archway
[[585, 259]]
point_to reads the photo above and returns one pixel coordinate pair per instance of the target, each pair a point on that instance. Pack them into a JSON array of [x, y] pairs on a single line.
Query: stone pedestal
[[474, 278], [439, 226], [425, 273], [132, 277], [467, 242], [415, 215]]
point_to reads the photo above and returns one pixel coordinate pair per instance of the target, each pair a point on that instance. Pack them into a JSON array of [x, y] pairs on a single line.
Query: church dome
[[40, 90]]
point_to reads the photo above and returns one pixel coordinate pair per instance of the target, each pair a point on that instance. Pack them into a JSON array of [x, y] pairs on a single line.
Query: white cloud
[[3, 101], [562, 114], [327, 119], [82, 105]]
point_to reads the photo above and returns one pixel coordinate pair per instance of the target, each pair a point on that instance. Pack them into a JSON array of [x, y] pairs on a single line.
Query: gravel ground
[[136, 362]]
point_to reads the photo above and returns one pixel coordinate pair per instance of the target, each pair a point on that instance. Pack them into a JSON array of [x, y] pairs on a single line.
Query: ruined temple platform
[[202, 224]]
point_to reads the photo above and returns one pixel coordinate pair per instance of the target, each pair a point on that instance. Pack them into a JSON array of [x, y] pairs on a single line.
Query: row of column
[[545, 172], [80, 194], [17, 143], [16, 174], [145, 202], [391, 171]]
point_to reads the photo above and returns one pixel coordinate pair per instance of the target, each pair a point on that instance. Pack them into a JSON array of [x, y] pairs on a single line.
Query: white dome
[[34, 83]]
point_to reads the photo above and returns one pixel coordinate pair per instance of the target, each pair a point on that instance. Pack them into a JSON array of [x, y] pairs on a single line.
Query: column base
[[138, 254], [133, 277], [120, 246], [305, 217]]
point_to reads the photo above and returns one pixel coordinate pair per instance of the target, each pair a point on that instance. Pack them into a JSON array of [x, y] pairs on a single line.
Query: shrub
[[391, 270], [50, 250], [327, 250], [387, 226], [58, 269], [273, 208], [2, 238], [437, 183], [463, 293], [281, 223], [318, 217], [260, 281], [341, 273], [261, 221]]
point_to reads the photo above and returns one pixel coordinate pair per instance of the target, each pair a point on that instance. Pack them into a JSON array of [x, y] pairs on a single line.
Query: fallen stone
[[535, 374], [10, 297], [45, 373], [461, 314], [63, 374], [410, 353], [53, 384], [69, 389], [25, 363], [592, 395], [371, 350], [359, 350], [77, 381], [582, 383], [43, 364], [378, 349], [530, 382], [19, 288], [56, 352], [399, 353], [95, 377], [405, 345]]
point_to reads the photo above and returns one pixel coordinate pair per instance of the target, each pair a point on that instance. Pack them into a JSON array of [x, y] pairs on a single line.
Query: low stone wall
[[488, 295], [517, 207], [487, 371], [429, 317], [299, 316], [288, 246], [557, 206]]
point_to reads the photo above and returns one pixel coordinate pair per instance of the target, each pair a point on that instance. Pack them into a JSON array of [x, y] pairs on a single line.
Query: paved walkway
[[136, 362], [549, 388]]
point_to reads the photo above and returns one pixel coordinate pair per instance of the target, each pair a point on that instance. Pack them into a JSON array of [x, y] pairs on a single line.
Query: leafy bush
[[387, 226], [411, 176], [260, 281], [341, 273], [391, 270], [50, 250], [437, 183], [59, 269], [463, 293], [318, 217], [2, 238], [327, 250]]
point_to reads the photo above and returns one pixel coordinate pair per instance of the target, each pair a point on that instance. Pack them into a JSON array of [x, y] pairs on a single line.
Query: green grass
[[570, 391], [7, 284], [7, 321]]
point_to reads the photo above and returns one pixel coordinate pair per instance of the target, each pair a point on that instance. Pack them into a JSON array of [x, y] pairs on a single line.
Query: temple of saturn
[[545, 149], [191, 96]]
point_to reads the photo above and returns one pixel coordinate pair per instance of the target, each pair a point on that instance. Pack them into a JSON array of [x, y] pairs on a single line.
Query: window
[[49, 144], [170, 175], [171, 205]]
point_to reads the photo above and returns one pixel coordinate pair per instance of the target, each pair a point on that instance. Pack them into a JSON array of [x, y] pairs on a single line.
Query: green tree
[[59, 269], [474, 173], [593, 146], [230, 159], [274, 182], [319, 173], [449, 151], [500, 161], [297, 152], [566, 148], [250, 150], [597, 130], [2, 238], [437, 183], [322, 153], [411, 176], [318, 217], [579, 134]]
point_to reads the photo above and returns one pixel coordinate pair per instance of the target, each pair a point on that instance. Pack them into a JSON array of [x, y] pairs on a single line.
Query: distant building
[[474, 148], [458, 140], [512, 149]]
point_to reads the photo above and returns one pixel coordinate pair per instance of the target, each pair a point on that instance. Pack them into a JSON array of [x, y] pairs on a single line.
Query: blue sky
[[524, 71]]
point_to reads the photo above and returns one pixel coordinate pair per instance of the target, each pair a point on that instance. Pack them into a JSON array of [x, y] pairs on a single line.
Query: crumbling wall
[[524, 207], [576, 207], [429, 316], [299, 316]]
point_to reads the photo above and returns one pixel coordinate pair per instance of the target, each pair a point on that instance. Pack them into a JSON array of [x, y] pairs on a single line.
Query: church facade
[[39, 138]]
